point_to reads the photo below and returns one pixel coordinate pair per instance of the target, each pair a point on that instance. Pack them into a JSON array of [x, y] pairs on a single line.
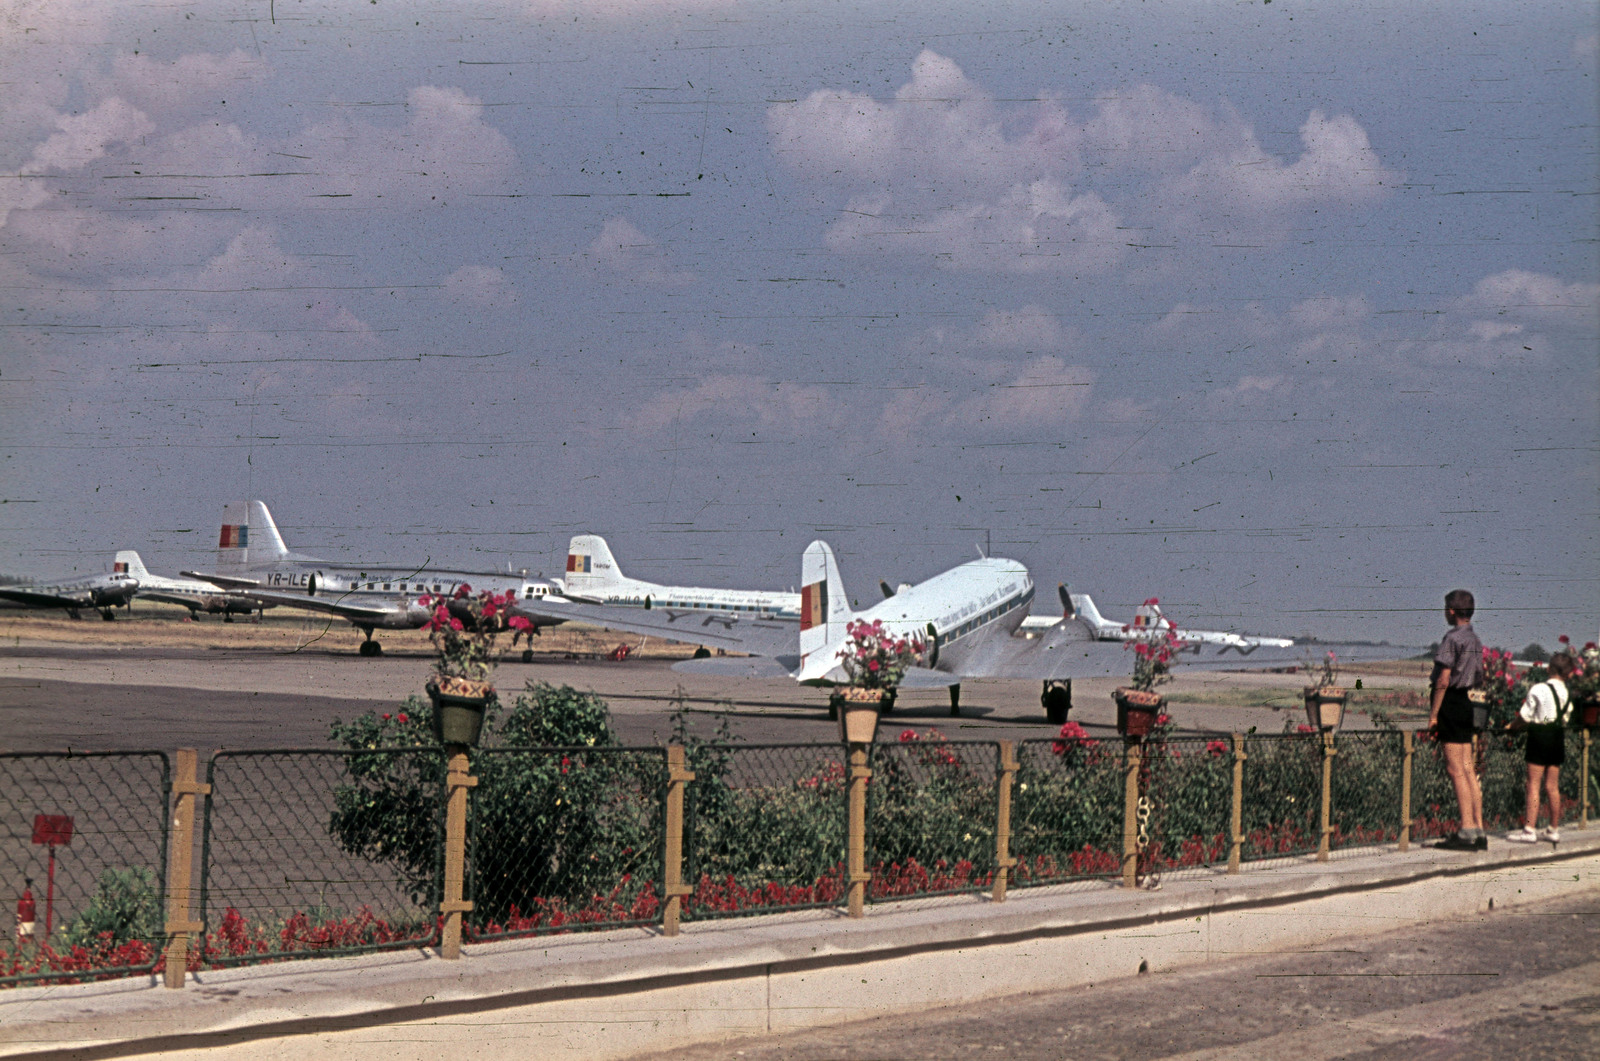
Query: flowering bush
[[1153, 657], [1328, 672], [464, 627], [875, 658], [1585, 683]]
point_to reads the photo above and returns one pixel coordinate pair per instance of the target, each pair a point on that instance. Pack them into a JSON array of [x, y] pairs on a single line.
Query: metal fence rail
[[320, 852], [931, 817], [564, 838], [107, 813], [764, 828]]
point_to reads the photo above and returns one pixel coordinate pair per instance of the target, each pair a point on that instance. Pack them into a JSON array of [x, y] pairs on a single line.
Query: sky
[[1285, 313]]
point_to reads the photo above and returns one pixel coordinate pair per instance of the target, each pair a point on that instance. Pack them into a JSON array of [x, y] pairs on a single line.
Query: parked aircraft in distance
[[969, 617], [192, 593], [253, 559], [594, 577], [1148, 622], [102, 592]]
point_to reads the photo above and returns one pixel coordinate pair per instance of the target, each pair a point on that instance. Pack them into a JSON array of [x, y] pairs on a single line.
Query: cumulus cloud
[[623, 249], [1536, 296], [741, 398], [943, 170]]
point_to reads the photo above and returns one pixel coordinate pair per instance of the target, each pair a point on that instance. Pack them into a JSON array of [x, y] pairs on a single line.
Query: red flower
[[401, 717]]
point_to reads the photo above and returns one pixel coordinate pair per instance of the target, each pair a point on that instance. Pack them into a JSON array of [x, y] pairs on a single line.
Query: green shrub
[[126, 905]]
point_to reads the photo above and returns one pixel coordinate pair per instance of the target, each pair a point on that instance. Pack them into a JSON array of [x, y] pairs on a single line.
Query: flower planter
[[1137, 711], [458, 709], [1589, 713], [1325, 706], [858, 710]]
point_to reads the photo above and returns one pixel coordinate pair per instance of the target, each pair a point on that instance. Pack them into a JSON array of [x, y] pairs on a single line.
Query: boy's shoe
[[1481, 843], [1456, 842], [1551, 834], [1524, 835]]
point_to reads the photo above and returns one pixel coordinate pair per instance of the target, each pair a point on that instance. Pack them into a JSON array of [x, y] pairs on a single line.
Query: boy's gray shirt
[[1462, 652]]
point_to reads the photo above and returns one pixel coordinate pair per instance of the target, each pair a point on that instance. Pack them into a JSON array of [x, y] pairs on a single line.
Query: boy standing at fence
[[1545, 713], [1458, 667]]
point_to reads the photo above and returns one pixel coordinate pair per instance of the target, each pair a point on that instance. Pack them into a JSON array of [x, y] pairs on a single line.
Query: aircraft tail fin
[[249, 537], [1084, 607], [591, 568], [1148, 616], [127, 562], [824, 609]]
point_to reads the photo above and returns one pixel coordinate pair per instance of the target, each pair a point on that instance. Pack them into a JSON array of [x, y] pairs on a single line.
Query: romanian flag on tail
[[119, 567], [813, 605], [234, 536], [577, 564]]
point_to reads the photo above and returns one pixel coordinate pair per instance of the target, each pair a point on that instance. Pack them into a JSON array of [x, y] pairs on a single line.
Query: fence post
[[1130, 813], [1324, 822], [1002, 827], [1584, 781], [1407, 752], [856, 841], [673, 889], [180, 866], [452, 906], [1236, 822]]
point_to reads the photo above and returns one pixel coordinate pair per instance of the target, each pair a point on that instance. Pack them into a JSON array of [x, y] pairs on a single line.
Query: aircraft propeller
[[888, 590], [1069, 612]]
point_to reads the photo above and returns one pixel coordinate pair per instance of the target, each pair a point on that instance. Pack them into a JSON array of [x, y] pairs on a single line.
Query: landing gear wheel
[[527, 655], [109, 615], [371, 648], [1057, 701], [955, 701]]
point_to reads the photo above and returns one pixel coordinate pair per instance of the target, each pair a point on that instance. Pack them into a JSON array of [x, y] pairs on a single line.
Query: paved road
[[1510, 984]]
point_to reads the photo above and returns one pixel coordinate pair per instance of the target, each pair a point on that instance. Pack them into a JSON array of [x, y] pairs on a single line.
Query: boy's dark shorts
[[1455, 718], [1547, 746]]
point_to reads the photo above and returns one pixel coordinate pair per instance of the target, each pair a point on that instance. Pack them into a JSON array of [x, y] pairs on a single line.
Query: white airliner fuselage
[[593, 577]]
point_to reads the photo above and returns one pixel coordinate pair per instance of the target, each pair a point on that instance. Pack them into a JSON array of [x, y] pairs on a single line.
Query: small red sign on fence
[[52, 829]]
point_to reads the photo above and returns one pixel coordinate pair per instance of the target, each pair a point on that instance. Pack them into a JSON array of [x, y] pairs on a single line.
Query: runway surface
[[98, 697]]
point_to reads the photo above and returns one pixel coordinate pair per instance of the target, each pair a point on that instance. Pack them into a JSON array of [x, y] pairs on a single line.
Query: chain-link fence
[[1066, 810], [315, 853], [764, 828], [1187, 789], [86, 835], [932, 806], [1282, 795], [563, 839], [1366, 788]]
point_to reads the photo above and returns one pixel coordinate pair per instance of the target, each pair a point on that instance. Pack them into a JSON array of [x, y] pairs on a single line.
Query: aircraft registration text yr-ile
[[253, 559]]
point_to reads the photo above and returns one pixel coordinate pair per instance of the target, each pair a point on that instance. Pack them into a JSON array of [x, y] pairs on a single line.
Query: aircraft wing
[[386, 611], [35, 599], [748, 633], [224, 581], [1069, 651]]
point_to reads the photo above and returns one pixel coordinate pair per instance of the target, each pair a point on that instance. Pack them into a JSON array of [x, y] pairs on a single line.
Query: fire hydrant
[[27, 913]]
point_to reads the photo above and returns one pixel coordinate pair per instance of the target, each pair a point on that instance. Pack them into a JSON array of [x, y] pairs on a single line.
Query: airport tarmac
[[209, 685]]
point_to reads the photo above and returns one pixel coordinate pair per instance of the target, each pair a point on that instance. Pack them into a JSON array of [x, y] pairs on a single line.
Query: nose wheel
[[955, 700], [370, 647], [1057, 701]]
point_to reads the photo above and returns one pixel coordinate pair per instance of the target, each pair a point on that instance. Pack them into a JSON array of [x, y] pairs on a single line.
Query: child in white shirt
[[1544, 713]]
